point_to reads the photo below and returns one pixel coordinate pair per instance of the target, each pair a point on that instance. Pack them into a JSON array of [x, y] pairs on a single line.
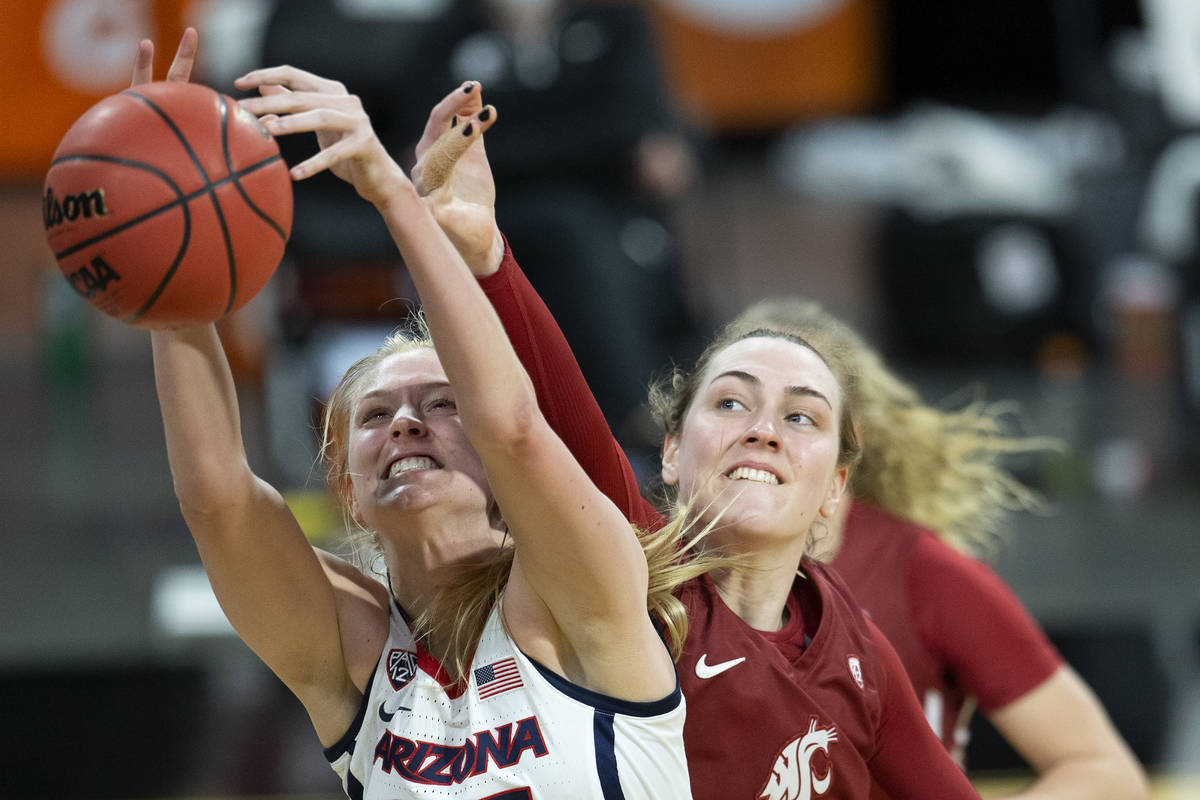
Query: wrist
[[396, 191], [490, 261]]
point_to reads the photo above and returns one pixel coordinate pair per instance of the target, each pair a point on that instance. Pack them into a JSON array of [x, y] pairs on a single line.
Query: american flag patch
[[497, 678]]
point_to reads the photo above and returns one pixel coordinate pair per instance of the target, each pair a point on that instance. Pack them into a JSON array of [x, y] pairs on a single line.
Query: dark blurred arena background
[[1001, 195]]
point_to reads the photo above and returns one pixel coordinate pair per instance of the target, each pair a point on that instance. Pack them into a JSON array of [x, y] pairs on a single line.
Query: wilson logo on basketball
[[92, 278], [72, 207]]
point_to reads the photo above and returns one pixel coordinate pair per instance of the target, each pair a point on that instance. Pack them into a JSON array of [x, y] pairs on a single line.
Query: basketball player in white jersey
[[497, 657]]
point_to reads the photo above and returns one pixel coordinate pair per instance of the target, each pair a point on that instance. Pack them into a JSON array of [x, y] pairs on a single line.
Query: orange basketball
[[167, 204]]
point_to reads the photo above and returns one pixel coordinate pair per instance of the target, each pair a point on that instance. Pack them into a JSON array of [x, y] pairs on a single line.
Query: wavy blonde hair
[[672, 394], [458, 611], [941, 468]]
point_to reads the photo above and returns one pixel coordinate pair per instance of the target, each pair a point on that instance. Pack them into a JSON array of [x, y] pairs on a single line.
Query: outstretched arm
[[265, 575], [461, 195], [578, 565]]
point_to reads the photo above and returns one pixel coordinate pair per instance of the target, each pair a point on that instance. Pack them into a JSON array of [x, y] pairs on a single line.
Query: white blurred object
[[182, 603], [939, 161], [1167, 226], [1122, 468], [1174, 29], [393, 10], [756, 17], [1018, 273], [231, 33], [1135, 283], [86, 43]]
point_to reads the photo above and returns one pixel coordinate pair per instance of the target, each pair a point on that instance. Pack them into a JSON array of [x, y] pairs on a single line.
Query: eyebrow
[[796, 391], [374, 393]]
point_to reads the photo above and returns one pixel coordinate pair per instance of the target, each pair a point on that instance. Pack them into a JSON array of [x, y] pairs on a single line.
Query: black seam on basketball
[[162, 285], [183, 198], [175, 129], [245, 197], [229, 256]]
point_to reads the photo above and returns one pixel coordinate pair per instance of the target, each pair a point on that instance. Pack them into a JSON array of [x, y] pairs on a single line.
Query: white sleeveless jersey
[[517, 731]]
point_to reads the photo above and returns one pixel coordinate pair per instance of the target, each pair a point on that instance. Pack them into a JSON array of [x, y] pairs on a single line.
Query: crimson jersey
[[797, 719], [958, 629]]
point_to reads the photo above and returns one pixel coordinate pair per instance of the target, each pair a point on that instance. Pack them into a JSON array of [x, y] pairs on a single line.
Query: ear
[[837, 488], [670, 460]]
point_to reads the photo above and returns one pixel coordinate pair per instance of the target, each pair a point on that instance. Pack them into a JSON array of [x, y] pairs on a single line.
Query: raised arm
[[461, 196], [579, 581], [265, 575]]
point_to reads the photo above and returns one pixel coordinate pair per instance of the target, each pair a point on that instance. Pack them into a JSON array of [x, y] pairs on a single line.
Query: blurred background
[[1001, 196]]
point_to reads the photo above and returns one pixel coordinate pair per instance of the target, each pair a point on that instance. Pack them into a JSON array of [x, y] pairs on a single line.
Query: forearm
[[492, 390], [1091, 778], [1062, 730], [563, 395], [198, 400]]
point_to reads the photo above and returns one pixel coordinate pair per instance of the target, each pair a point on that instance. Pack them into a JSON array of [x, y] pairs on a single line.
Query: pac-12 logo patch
[[855, 669], [401, 667], [799, 773]]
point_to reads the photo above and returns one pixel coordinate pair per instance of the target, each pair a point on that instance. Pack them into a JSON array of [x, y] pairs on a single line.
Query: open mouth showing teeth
[[756, 475], [411, 463]]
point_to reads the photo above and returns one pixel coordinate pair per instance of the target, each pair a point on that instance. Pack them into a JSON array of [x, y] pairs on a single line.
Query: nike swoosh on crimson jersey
[[705, 670]]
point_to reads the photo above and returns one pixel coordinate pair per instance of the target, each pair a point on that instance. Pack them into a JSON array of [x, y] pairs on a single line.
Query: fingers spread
[[292, 78], [280, 101], [442, 156], [466, 100]]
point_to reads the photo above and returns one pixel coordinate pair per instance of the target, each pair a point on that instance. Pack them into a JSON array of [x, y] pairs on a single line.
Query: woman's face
[[760, 438], [407, 448]]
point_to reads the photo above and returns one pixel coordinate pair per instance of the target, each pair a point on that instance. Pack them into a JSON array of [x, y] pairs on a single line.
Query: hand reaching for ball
[[452, 173], [294, 101]]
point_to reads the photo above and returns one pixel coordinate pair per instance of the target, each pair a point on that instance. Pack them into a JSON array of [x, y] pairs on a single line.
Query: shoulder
[[363, 608], [873, 540], [349, 579]]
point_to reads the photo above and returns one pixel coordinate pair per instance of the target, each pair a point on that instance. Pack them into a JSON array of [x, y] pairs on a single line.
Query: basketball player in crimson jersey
[[961, 633], [792, 693]]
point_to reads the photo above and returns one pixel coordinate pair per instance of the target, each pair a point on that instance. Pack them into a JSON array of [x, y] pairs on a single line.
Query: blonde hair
[[671, 395], [458, 611], [941, 468]]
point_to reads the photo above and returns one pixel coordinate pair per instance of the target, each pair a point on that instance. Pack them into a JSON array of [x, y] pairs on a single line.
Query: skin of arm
[[574, 567], [266, 577], [463, 205], [978, 626], [1061, 729]]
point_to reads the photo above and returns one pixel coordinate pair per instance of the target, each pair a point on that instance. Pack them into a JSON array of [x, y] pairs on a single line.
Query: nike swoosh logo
[[704, 670], [386, 716]]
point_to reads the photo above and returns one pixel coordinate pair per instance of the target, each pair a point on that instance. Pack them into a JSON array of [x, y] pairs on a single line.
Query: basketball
[[167, 204]]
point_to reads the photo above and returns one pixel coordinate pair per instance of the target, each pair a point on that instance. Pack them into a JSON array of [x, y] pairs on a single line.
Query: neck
[[426, 554], [757, 593]]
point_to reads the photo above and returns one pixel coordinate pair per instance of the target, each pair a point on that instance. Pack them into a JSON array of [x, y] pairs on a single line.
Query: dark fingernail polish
[[483, 115], [467, 89], [454, 122], [467, 130]]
